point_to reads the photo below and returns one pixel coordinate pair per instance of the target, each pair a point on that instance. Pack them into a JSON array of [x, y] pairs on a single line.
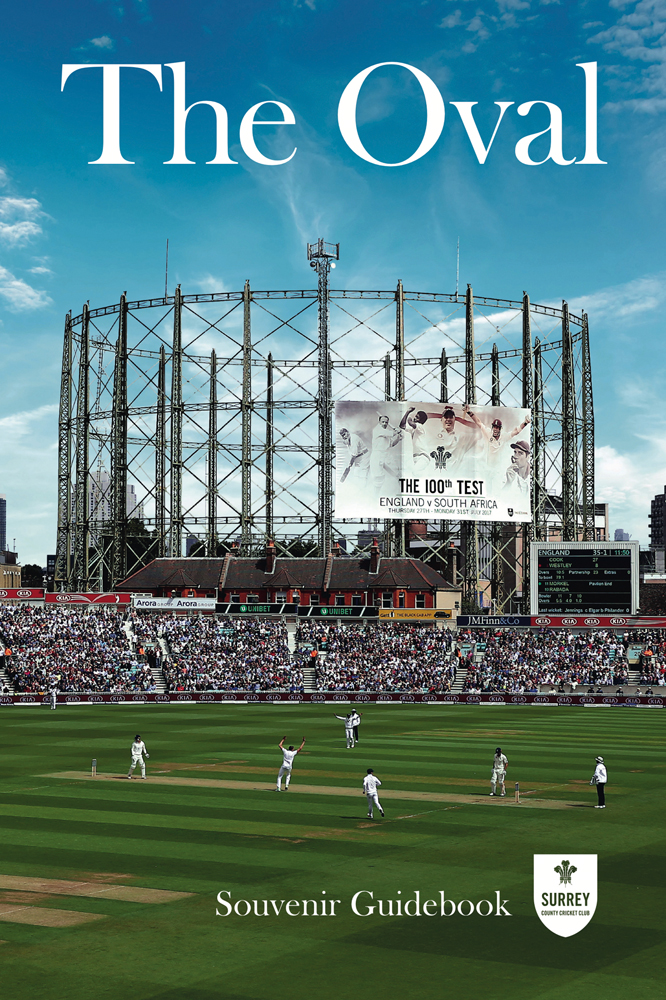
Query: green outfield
[[78, 857]]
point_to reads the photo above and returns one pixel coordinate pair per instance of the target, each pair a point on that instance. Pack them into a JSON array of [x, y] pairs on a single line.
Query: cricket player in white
[[599, 778], [349, 728], [287, 761], [500, 764], [138, 751], [370, 785]]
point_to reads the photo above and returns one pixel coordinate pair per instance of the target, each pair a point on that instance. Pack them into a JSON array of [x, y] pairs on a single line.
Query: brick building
[[336, 581]]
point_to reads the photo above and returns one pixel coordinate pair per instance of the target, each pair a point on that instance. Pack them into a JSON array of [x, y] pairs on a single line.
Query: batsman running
[[500, 765], [138, 752]]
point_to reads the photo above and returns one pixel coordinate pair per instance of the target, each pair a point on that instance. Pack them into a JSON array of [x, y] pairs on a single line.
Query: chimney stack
[[270, 557], [374, 556]]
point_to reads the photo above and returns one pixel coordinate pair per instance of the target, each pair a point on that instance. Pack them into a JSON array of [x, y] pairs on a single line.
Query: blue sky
[[70, 231]]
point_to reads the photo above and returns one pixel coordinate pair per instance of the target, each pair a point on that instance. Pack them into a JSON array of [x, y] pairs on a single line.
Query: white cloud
[[18, 232], [639, 35], [40, 269], [104, 42], [18, 219], [641, 295], [627, 482], [17, 425], [209, 283], [19, 295]]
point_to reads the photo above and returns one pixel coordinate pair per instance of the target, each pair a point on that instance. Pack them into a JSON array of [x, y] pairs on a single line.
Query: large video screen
[[582, 578], [427, 461]]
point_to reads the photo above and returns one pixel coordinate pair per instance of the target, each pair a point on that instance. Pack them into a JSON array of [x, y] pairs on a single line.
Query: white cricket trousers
[[287, 777], [373, 801], [349, 733], [495, 777], [141, 761]]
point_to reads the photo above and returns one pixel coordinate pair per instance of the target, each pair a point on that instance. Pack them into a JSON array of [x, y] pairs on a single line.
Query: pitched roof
[[234, 573]]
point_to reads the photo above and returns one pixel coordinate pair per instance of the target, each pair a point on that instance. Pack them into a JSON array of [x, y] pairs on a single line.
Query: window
[[401, 599], [357, 600], [281, 597], [235, 598], [339, 599], [253, 598], [314, 598], [387, 599], [420, 600]]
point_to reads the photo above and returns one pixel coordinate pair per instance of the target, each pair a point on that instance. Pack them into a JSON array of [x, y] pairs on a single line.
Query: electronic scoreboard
[[580, 578]]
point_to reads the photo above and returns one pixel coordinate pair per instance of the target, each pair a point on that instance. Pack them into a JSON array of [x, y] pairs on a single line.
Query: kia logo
[[610, 701], [518, 700], [407, 697], [569, 621], [251, 697], [542, 621], [317, 697], [592, 621], [295, 697], [655, 701], [24, 593], [450, 697], [4, 593], [618, 621], [564, 701], [496, 698]]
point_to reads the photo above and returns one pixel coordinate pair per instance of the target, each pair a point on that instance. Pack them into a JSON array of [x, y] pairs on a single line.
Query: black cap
[[369, 770]]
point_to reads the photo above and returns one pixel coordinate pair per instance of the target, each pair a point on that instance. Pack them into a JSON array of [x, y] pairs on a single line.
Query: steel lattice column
[[211, 485], [160, 457], [388, 523], [270, 488], [539, 494], [63, 542], [119, 451], [589, 528], [468, 528], [177, 428], [528, 400], [497, 578], [443, 378], [400, 526], [320, 255], [246, 426], [569, 436], [82, 523]]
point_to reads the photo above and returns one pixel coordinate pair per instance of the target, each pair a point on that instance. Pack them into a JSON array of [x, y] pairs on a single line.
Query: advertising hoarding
[[173, 603], [432, 461], [89, 599]]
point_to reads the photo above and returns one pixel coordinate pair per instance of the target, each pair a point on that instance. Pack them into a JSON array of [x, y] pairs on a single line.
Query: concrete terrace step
[[158, 677]]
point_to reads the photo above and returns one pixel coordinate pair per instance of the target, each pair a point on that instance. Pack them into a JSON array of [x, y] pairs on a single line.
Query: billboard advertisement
[[427, 461], [173, 603], [89, 599]]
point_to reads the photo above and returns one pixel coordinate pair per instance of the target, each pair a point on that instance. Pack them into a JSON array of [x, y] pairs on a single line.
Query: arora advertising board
[[426, 460]]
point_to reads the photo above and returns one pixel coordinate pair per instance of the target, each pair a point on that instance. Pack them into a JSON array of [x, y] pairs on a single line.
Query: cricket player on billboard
[[409, 460]]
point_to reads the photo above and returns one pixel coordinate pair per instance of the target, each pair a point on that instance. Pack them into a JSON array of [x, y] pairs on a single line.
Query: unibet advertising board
[[426, 461]]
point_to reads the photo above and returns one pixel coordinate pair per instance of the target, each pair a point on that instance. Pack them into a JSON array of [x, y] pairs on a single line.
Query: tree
[[32, 575]]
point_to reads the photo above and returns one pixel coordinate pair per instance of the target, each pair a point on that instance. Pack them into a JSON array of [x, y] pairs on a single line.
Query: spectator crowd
[[101, 650], [391, 656], [519, 662]]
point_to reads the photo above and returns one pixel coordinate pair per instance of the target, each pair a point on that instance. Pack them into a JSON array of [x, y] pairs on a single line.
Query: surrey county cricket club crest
[[565, 891]]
